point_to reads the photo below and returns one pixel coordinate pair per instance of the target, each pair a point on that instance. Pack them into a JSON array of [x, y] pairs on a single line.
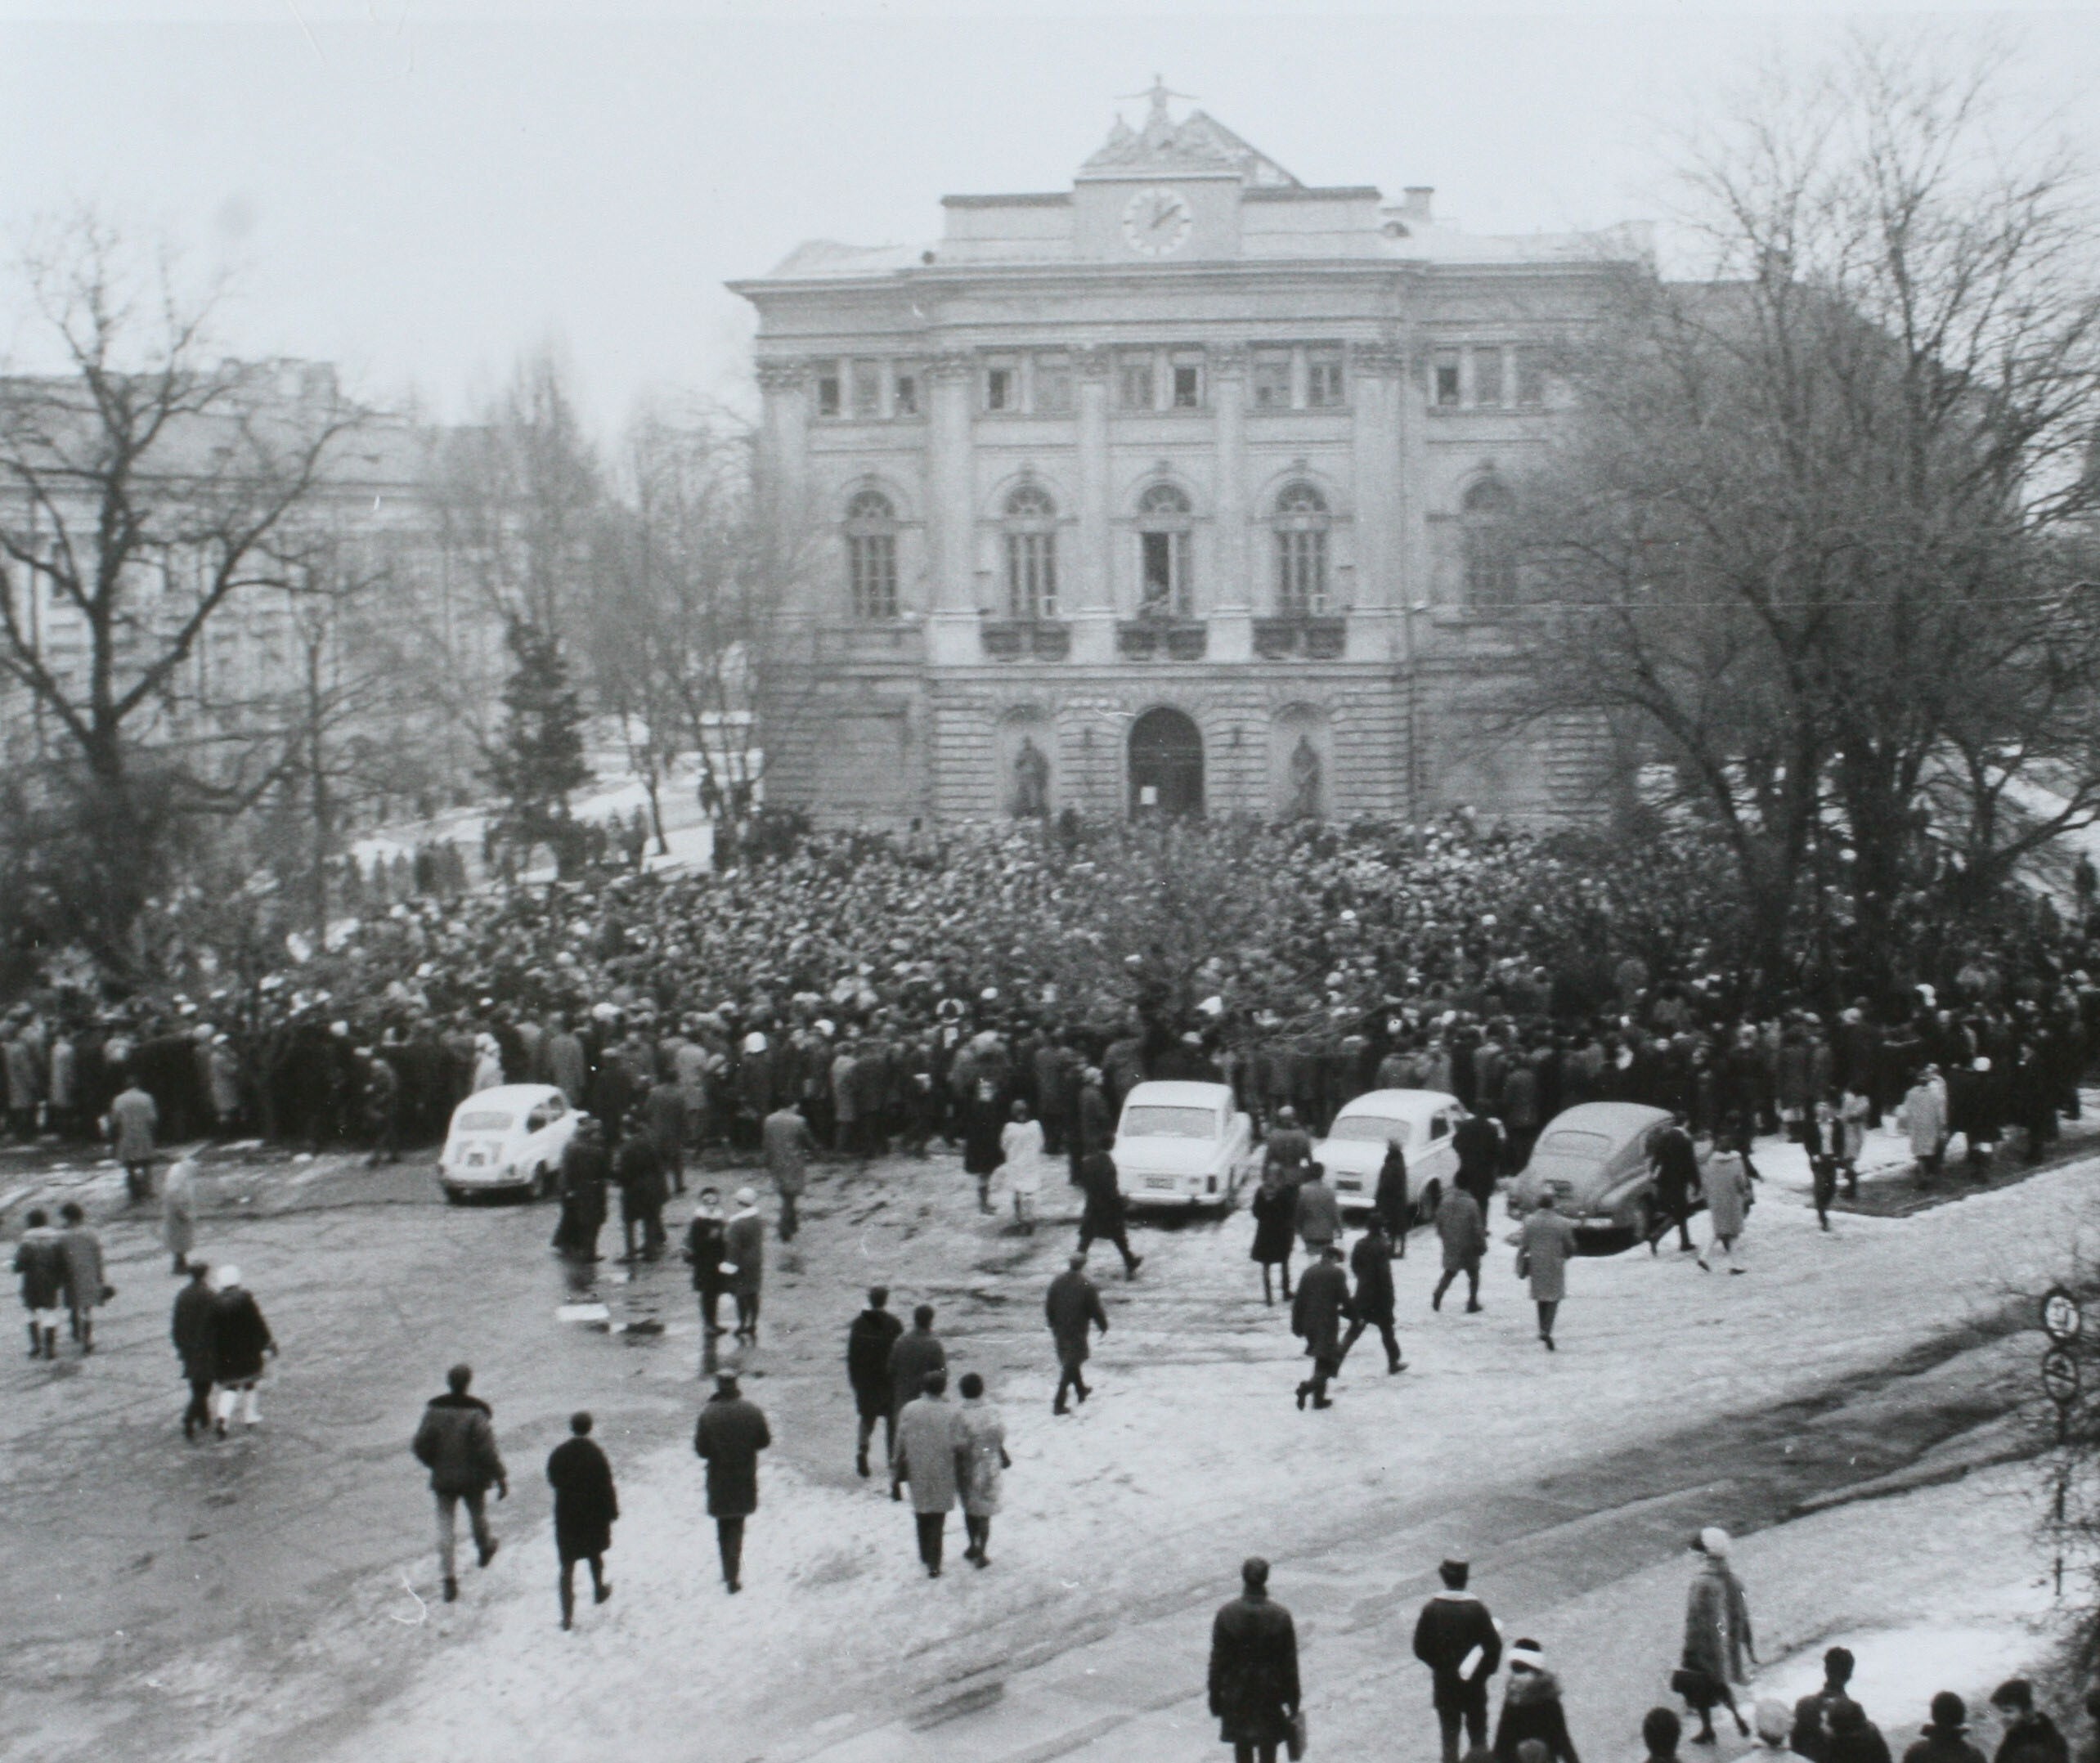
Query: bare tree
[[141, 488], [1812, 539]]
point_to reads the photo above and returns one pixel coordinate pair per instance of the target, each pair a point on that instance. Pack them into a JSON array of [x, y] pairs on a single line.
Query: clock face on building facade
[[1156, 221]]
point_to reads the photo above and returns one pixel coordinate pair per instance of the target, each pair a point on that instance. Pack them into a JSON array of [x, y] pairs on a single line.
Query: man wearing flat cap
[[1458, 1640]]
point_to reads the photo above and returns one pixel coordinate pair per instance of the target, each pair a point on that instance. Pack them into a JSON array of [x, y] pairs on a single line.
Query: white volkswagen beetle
[[507, 1140], [1424, 1122], [1183, 1145]]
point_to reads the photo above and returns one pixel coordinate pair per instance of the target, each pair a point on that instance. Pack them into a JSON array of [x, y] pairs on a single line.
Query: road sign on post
[[2063, 1318]]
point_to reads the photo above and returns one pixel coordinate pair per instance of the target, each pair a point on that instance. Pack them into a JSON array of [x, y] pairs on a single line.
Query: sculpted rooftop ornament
[[1197, 143]]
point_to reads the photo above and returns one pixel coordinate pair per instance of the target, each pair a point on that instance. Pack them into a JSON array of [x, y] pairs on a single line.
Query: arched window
[[1031, 554], [1301, 552], [871, 555], [1487, 518], [1165, 582]]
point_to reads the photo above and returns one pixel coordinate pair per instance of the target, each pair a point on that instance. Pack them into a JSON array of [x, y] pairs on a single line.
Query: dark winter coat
[[1094, 1128], [983, 1121], [1372, 1266], [1677, 1166], [868, 1344], [1275, 1210], [190, 1330], [706, 1243], [585, 1503], [1853, 1741], [1071, 1307], [1462, 1229], [1531, 1709], [456, 1442], [638, 1167], [729, 1436], [1321, 1305], [1289, 1149], [1943, 1745], [915, 1353], [40, 1259], [586, 1169], [2033, 1737], [1254, 1671], [1480, 1148], [1319, 1216], [1452, 1625], [1102, 1214], [744, 1237], [1390, 1200], [237, 1335]]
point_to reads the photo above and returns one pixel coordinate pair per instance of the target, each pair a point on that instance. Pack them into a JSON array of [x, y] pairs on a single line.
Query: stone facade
[[1192, 438]]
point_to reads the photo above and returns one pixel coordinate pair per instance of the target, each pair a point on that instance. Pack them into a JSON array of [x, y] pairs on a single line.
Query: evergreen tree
[[539, 762]]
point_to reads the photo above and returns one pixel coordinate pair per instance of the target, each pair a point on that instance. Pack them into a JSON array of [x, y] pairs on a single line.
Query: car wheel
[[453, 1197]]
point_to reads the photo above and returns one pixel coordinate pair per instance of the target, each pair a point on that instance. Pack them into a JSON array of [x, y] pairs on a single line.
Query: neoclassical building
[[1186, 488]]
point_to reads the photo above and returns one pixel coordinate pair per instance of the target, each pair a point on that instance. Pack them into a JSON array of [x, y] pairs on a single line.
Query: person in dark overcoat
[[1676, 1162], [1389, 1200], [1372, 1262], [1275, 1209], [638, 1167], [730, 1434], [190, 1329], [1457, 1638], [1463, 1231], [586, 1171], [240, 1340], [1094, 1128], [707, 1248], [1316, 1317], [868, 1347], [1072, 1306], [1254, 1669], [1532, 1708], [586, 1505], [984, 1120], [1102, 1216]]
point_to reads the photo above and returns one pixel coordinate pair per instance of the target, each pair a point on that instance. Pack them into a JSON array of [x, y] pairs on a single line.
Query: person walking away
[[1023, 1148], [1924, 1114], [914, 1357], [178, 1212], [1945, 1737], [1318, 1215], [706, 1247], [789, 1145], [744, 1244], [867, 1345], [1728, 1207], [982, 1430], [1458, 1640], [240, 1341], [1675, 1161], [1103, 1216], [1462, 1229], [638, 1170], [1316, 1318], [1854, 1739], [86, 1286], [1093, 1128], [586, 1170], [190, 1329], [1543, 1247], [1072, 1306], [1853, 1114], [586, 1505], [133, 1120], [1372, 1262], [40, 1264], [984, 1130], [1532, 1707], [2029, 1736], [1289, 1149], [456, 1442], [930, 1456], [1275, 1208], [1480, 1148], [1390, 1199], [1254, 1692], [1717, 1637], [730, 1433]]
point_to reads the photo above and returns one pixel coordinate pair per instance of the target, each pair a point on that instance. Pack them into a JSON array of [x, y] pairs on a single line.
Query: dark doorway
[[1166, 765]]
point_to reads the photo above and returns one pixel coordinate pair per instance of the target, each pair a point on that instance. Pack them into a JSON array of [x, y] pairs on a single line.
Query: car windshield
[[487, 1120], [1584, 1147], [1368, 1129], [1169, 1123]]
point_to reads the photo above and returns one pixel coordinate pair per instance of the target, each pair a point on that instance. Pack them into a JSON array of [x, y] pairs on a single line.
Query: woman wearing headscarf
[[1532, 1709], [981, 1437], [1717, 1637], [1275, 1208]]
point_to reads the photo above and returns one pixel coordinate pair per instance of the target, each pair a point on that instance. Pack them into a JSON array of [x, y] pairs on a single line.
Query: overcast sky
[[421, 190]]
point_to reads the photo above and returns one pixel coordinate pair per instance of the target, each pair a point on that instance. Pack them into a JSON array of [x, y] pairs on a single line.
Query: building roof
[[1197, 146]]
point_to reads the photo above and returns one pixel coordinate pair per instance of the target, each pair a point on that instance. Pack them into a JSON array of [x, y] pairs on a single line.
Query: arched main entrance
[[1166, 764]]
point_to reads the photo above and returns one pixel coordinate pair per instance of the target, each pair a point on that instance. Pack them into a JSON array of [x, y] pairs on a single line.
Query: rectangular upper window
[[868, 389], [1053, 385], [1187, 384], [1002, 390], [1487, 376], [827, 389], [1133, 383], [1444, 380], [904, 394], [1530, 376], [1323, 378], [1271, 380]]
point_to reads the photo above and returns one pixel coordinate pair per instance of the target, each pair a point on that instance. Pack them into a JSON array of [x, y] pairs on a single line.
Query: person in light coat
[[133, 1120], [178, 1212], [931, 1456], [1925, 1121], [1022, 1150], [744, 1263], [982, 1430], [1543, 1247], [1717, 1636], [1728, 1206]]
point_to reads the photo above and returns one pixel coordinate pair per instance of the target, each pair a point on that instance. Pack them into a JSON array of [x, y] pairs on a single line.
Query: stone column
[[1380, 372], [1232, 595], [951, 512], [785, 388], [1091, 606]]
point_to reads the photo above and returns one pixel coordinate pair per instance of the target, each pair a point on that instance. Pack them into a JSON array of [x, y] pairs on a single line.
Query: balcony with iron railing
[[1162, 638], [1025, 639], [1304, 636]]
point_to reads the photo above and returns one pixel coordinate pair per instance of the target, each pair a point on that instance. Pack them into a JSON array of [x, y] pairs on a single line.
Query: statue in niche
[[1304, 781], [1031, 781]]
